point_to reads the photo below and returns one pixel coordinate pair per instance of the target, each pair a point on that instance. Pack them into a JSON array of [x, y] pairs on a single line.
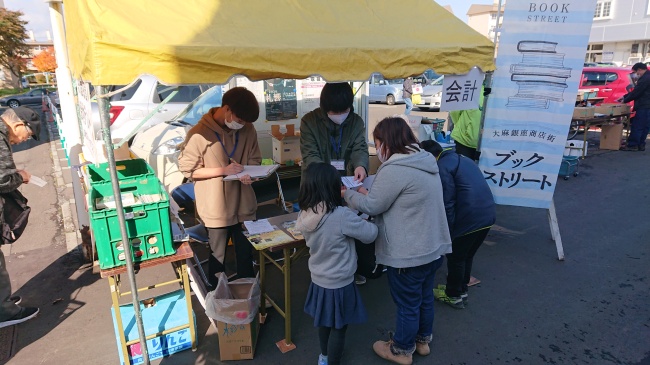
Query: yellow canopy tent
[[208, 41], [112, 42]]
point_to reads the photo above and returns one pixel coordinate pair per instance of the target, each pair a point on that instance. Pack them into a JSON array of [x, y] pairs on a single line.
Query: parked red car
[[611, 82]]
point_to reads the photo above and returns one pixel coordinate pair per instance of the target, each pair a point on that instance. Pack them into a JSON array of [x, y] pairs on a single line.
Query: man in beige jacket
[[223, 141]]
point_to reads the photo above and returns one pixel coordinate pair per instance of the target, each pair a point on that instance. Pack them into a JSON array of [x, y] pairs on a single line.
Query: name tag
[[338, 164]]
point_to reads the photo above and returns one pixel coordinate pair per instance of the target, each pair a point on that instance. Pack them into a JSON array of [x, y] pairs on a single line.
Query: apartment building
[[620, 32], [483, 18]]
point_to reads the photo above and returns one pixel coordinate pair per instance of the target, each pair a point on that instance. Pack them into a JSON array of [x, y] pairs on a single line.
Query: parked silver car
[[32, 97], [431, 95], [385, 91]]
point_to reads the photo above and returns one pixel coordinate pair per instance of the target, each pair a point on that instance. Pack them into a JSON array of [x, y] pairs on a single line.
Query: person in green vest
[[467, 127]]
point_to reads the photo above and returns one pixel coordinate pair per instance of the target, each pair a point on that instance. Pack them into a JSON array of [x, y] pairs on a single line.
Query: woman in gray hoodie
[[407, 203], [330, 229]]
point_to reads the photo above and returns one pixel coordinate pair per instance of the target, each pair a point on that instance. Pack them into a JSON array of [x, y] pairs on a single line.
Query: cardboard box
[[574, 148], [612, 109], [611, 136], [625, 108], [238, 341], [159, 314], [286, 146], [584, 112], [373, 165]]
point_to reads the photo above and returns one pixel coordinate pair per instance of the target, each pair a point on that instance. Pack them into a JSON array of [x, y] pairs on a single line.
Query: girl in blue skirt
[[330, 229]]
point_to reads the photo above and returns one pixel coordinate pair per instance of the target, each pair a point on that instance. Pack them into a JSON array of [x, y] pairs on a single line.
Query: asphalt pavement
[[530, 308]]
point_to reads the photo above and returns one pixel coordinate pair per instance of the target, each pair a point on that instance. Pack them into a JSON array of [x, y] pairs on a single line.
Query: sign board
[[607, 56], [311, 88], [88, 131], [280, 99], [541, 55], [462, 92]]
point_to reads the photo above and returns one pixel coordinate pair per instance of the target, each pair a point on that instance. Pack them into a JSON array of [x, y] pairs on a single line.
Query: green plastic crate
[[126, 170], [147, 224]]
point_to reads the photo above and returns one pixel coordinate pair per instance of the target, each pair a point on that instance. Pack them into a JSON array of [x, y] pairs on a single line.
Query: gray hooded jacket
[[330, 238], [406, 201]]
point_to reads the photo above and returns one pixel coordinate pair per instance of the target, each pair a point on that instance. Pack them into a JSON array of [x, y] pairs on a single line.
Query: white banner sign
[[541, 54], [462, 92], [91, 153]]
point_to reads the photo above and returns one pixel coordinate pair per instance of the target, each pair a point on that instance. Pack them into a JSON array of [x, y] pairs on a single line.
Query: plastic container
[[147, 223], [126, 169]]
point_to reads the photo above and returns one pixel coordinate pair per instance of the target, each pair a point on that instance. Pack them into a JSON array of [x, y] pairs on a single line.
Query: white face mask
[[233, 125], [338, 118], [380, 153]]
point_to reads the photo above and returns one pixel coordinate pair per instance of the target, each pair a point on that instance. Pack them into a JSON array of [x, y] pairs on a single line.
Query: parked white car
[[431, 95], [132, 105], [158, 145]]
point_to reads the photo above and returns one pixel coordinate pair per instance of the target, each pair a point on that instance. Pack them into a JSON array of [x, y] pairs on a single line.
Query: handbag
[[15, 214]]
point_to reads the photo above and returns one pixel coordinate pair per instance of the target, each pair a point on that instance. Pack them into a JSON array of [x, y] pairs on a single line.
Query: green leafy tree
[[12, 43]]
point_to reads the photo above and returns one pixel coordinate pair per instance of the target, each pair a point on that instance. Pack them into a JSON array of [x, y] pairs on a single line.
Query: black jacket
[[641, 93], [468, 200], [10, 179]]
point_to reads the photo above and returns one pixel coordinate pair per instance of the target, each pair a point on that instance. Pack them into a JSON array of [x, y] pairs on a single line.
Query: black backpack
[[15, 214]]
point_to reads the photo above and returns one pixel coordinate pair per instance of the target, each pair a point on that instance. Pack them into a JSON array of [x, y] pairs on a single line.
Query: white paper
[[349, 182], [255, 171], [37, 181], [259, 226], [462, 92]]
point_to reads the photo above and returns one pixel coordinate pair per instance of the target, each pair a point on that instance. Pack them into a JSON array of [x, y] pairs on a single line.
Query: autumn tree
[[12, 43], [45, 61]]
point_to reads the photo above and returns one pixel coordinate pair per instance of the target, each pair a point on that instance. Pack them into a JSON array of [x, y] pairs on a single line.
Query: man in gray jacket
[[17, 125], [407, 94]]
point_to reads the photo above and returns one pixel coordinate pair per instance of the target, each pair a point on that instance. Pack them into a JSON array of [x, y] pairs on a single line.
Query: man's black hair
[[432, 147], [322, 184], [639, 66], [336, 97], [243, 103]]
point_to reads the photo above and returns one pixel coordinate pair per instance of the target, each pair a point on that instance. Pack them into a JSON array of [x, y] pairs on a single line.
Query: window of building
[[493, 16], [603, 9]]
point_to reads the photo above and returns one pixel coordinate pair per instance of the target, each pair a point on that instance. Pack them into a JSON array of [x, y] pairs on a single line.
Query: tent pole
[[102, 103], [488, 79]]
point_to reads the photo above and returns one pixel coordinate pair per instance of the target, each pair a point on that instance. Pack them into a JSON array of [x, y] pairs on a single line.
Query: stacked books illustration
[[540, 76]]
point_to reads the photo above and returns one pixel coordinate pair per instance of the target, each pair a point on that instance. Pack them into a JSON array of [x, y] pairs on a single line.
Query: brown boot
[[382, 348], [422, 348]]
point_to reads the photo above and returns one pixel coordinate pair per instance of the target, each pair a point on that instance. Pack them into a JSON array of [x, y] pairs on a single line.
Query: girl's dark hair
[[322, 183], [336, 97], [395, 135]]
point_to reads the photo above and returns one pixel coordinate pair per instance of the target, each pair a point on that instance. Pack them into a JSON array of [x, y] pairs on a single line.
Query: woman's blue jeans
[[412, 292]]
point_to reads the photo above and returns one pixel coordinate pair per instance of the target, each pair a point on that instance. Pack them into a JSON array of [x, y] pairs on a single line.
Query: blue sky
[[38, 16], [460, 7]]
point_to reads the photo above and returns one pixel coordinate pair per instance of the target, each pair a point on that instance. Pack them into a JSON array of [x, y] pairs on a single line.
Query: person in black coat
[[641, 97], [471, 213]]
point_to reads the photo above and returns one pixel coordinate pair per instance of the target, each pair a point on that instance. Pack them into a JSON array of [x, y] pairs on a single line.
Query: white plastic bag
[[236, 302]]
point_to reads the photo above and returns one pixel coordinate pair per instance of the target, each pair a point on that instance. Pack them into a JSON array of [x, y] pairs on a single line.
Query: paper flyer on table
[[269, 239], [259, 226]]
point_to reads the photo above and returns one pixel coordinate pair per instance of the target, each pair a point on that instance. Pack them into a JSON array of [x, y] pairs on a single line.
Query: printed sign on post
[[529, 110], [462, 92]]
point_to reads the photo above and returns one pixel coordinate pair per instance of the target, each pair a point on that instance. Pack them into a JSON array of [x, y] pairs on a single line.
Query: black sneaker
[[630, 148], [641, 148], [25, 314], [16, 299], [359, 279]]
